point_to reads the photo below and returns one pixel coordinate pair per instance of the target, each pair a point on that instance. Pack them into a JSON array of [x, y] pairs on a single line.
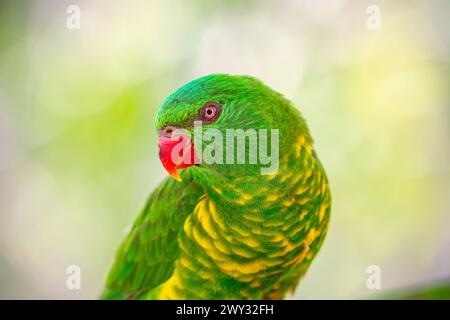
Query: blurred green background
[[78, 152]]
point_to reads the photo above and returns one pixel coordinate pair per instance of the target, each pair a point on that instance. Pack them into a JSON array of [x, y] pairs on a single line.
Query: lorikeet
[[219, 230]]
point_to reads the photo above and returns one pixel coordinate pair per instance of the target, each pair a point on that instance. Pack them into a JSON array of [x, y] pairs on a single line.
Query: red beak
[[176, 151]]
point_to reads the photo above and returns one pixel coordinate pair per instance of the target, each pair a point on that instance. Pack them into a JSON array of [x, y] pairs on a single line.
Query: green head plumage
[[245, 103]]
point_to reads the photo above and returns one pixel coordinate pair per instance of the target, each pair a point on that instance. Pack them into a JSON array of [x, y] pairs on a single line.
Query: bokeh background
[[78, 153]]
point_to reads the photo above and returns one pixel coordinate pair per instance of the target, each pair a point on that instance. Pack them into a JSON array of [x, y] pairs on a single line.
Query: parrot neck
[[265, 193]]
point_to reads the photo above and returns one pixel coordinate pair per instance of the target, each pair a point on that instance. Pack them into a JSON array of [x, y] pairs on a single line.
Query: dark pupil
[[209, 111]]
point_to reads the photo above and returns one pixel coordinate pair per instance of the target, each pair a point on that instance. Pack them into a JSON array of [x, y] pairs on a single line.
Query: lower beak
[[176, 152]]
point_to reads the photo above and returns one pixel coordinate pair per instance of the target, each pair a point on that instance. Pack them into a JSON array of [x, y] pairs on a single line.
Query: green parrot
[[217, 230]]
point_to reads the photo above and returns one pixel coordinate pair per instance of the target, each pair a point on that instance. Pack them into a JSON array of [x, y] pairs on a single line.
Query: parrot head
[[222, 102]]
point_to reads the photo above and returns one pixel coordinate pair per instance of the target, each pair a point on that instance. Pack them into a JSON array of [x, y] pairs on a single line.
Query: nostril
[[166, 132]]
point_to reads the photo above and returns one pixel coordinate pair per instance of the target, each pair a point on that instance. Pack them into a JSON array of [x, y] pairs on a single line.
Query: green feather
[[147, 255]]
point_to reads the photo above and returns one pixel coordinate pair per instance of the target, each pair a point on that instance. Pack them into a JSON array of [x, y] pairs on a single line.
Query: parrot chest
[[256, 256]]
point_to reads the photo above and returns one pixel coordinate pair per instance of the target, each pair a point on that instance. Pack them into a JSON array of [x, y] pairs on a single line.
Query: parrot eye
[[211, 111]]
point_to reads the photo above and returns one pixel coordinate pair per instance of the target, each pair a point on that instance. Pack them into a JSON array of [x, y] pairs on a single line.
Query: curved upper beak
[[176, 150]]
